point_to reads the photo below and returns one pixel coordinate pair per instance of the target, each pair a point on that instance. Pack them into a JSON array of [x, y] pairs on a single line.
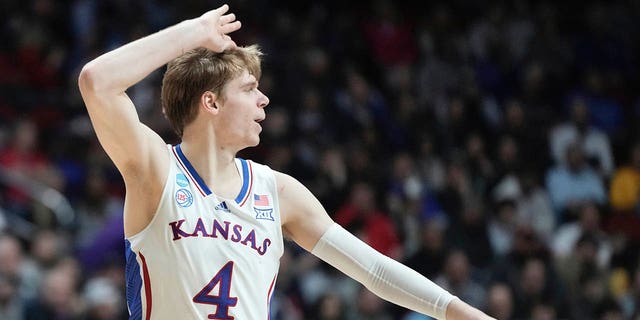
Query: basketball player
[[205, 229]]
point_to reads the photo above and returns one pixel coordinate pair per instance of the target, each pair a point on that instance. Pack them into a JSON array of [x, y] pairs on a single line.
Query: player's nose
[[263, 100]]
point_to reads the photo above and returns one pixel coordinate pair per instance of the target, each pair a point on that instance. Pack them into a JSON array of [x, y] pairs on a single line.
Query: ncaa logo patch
[[184, 198], [182, 180]]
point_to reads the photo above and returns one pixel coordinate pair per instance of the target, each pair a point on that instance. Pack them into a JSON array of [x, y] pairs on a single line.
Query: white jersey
[[205, 257]]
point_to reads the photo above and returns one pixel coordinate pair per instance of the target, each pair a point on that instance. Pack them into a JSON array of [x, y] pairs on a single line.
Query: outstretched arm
[[307, 223], [138, 152]]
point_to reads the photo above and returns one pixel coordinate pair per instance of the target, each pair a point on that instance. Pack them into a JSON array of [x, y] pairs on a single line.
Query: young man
[[204, 229]]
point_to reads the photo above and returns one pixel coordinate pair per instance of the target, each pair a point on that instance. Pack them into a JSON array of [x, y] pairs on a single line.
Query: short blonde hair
[[199, 70]]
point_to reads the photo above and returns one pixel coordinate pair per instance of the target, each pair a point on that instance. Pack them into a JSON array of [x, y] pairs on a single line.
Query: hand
[[459, 310], [216, 25]]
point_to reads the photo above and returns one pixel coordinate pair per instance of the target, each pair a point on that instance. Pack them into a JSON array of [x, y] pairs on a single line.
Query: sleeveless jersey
[[205, 257]]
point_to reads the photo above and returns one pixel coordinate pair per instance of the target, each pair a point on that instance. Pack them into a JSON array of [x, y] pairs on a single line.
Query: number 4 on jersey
[[223, 301]]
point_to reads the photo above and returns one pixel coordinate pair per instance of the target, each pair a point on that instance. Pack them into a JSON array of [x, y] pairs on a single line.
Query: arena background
[[491, 146]]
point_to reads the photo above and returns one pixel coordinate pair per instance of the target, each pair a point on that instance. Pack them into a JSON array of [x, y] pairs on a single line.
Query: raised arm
[[139, 153], [307, 223]]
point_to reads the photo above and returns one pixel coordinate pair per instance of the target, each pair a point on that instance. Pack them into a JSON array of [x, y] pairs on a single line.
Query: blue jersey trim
[[192, 171], [134, 283], [245, 181]]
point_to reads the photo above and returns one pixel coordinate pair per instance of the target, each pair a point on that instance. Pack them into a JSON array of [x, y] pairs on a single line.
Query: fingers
[[227, 18], [230, 27], [219, 25], [227, 21], [223, 9]]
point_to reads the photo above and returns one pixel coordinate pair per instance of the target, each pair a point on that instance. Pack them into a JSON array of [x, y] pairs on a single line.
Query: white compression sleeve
[[382, 275]]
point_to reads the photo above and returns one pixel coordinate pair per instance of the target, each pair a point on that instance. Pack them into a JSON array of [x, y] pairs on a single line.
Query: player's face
[[241, 112]]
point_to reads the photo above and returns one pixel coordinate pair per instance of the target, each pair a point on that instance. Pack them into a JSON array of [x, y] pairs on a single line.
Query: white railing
[[50, 198]]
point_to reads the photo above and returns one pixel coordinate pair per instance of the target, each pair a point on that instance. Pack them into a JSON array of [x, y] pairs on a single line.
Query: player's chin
[[255, 141]]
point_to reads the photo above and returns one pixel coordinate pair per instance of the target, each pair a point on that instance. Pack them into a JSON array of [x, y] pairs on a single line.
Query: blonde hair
[[199, 70]]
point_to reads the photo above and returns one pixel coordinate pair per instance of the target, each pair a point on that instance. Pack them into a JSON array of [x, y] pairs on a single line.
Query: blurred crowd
[[491, 146]]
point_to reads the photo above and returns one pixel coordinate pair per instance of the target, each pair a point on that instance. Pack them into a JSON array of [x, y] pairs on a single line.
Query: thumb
[[229, 44]]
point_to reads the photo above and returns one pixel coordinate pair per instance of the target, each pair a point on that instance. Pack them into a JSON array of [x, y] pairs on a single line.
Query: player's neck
[[214, 163], [200, 137]]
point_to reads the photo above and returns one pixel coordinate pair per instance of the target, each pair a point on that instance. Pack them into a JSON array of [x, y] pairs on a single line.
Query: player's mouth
[[257, 121]]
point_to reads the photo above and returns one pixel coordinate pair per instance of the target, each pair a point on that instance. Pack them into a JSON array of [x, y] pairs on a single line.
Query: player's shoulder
[[253, 163], [256, 168], [282, 180]]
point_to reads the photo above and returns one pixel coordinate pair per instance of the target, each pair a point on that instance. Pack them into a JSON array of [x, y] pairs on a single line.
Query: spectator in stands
[[589, 296], [58, 297], [330, 307], [24, 159], [500, 301], [518, 125], [369, 307], [543, 310], [624, 195], [609, 309], [17, 267], [430, 164], [408, 200], [457, 278], [572, 184], [578, 131], [10, 301], [582, 260], [47, 249], [534, 206], [97, 207], [502, 226], [362, 215], [389, 35], [362, 108], [630, 302], [332, 178], [588, 224], [508, 159], [534, 287], [482, 169], [104, 300], [428, 260], [470, 234]]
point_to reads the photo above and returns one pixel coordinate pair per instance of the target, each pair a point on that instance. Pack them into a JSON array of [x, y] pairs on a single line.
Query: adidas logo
[[222, 206]]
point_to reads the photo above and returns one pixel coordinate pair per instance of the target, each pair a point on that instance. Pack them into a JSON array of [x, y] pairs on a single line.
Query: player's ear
[[209, 101]]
